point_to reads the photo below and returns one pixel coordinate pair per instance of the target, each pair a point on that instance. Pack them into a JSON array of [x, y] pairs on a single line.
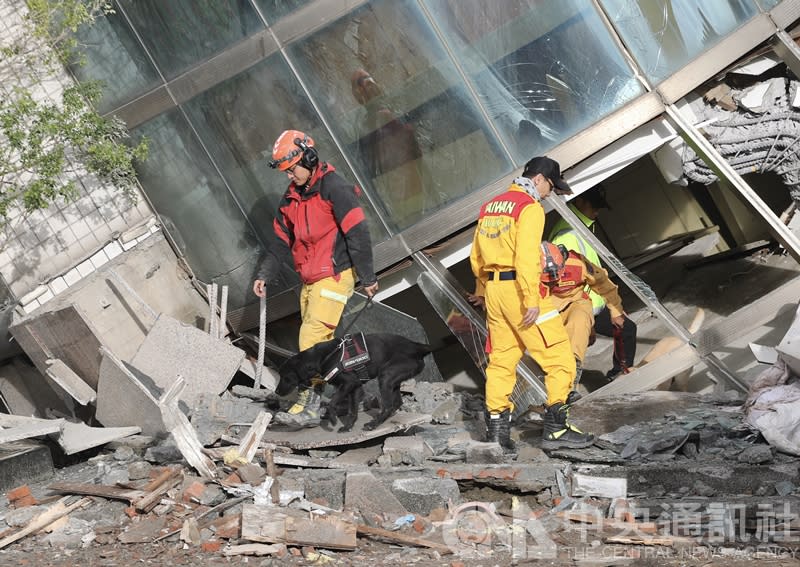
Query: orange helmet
[[553, 259], [292, 147]]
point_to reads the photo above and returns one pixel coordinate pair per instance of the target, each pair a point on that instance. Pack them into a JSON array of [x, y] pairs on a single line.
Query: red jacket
[[324, 228]]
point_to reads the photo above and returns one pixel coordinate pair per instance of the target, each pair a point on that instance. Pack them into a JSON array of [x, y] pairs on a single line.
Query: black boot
[[575, 395], [559, 434], [498, 430]]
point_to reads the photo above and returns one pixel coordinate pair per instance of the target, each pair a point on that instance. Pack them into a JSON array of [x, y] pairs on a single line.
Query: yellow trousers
[[546, 341], [321, 307], [578, 319]]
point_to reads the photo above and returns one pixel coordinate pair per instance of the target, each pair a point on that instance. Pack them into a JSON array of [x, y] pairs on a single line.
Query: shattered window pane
[[664, 35], [543, 70]]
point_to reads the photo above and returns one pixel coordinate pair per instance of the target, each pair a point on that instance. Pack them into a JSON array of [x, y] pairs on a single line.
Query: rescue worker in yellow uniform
[[568, 275], [520, 314]]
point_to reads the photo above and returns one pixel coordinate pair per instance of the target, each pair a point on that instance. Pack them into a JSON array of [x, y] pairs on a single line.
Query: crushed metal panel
[[127, 397], [318, 437], [173, 349], [65, 334]]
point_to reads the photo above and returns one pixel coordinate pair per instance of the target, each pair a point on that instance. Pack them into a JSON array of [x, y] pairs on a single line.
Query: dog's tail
[[422, 348]]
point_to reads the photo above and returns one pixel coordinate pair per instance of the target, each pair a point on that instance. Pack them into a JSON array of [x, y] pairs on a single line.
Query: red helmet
[[290, 148], [553, 259]]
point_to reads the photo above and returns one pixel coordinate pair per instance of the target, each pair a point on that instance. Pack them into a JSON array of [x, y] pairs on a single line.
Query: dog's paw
[[345, 428], [369, 426]]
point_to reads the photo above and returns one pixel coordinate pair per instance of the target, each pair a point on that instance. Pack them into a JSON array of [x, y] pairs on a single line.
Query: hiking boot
[[558, 433], [498, 430], [304, 413]]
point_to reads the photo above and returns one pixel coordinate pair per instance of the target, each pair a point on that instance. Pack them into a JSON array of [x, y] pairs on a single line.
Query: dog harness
[[353, 357]]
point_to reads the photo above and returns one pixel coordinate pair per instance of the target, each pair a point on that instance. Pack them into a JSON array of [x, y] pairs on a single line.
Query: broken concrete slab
[[404, 450], [24, 462], [521, 477], [76, 437], [214, 416], [420, 495], [173, 349], [317, 437], [63, 334], [370, 497], [126, 397], [17, 427], [26, 391], [70, 382]]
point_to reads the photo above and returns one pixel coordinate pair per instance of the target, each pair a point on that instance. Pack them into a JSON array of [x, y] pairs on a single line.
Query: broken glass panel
[[664, 35], [543, 70], [394, 99]]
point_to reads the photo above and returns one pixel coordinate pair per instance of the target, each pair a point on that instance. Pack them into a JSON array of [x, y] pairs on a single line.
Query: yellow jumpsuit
[[321, 306], [575, 305], [507, 240]]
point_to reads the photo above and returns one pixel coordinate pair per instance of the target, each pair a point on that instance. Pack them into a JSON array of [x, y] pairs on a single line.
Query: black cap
[[596, 197], [551, 170]]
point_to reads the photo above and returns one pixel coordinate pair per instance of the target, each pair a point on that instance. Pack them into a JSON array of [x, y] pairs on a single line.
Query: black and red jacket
[[324, 228]]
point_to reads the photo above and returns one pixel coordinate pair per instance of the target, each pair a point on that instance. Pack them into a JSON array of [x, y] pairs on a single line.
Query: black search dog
[[393, 359]]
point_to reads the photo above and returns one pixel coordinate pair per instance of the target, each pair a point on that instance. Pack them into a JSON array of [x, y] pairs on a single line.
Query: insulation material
[[773, 404], [761, 134]]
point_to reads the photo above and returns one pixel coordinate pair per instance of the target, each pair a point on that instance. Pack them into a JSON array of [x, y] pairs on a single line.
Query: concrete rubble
[[179, 454]]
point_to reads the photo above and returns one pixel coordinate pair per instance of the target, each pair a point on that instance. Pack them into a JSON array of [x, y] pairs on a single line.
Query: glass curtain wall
[[543, 70], [400, 109], [664, 35], [421, 102]]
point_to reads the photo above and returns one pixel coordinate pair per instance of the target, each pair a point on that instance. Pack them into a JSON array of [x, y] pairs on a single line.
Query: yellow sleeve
[[601, 284], [476, 262], [526, 255]]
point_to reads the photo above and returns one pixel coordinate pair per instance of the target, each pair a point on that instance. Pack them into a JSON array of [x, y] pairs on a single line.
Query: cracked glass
[[665, 35], [543, 70]]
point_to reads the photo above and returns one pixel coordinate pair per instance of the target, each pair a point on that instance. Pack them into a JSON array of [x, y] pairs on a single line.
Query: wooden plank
[[294, 527], [101, 490], [182, 431], [255, 549], [251, 439], [157, 488], [70, 382], [402, 538], [55, 512]]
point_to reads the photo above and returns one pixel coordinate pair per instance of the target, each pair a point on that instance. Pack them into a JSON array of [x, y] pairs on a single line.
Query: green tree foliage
[[45, 146]]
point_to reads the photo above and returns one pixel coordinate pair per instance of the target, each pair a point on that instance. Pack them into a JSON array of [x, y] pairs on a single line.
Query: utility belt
[[503, 276]]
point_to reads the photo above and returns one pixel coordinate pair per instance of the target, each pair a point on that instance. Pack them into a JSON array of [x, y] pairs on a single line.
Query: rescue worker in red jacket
[[519, 312], [567, 275], [320, 222]]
